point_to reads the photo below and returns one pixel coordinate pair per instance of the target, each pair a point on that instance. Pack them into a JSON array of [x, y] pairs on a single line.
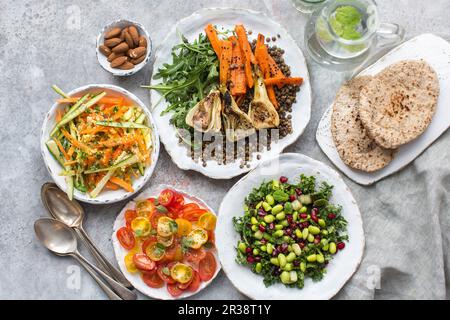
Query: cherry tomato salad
[[290, 231], [170, 242]]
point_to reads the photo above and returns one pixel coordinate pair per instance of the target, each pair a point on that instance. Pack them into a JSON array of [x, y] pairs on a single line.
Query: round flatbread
[[354, 146], [399, 103]]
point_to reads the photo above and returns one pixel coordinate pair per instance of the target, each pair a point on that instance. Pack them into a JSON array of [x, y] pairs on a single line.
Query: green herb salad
[[290, 232]]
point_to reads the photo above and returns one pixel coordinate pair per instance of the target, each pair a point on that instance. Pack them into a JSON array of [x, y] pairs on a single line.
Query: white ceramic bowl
[[103, 59], [120, 253], [54, 168]]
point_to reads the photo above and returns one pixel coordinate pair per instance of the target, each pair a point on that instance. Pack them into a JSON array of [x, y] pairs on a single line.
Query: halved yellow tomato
[[197, 237], [165, 241], [129, 263], [207, 221], [166, 226], [155, 251], [141, 226], [181, 272], [184, 227], [145, 208]]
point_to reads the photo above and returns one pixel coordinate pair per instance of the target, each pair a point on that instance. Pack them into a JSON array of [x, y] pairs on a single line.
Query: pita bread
[[399, 103], [354, 146]]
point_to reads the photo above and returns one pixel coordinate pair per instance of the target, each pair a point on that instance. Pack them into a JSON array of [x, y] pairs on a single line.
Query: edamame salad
[[290, 232]]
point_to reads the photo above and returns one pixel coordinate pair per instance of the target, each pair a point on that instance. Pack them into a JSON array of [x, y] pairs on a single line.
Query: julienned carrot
[[238, 79], [214, 39], [59, 115], [283, 81], [61, 148], [111, 186], [272, 96], [243, 42], [105, 100], [106, 157], [120, 113], [225, 60], [77, 143], [122, 183], [71, 151], [117, 153], [118, 141]]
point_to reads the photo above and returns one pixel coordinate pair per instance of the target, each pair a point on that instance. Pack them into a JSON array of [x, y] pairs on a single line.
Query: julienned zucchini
[[128, 161], [76, 112], [129, 125], [53, 149], [120, 162]]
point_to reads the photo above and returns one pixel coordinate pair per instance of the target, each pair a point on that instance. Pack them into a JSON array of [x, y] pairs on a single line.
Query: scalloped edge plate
[[339, 270], [257, 22]]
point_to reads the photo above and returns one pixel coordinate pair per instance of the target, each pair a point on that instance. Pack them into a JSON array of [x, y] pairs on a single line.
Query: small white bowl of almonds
[[123, 47]]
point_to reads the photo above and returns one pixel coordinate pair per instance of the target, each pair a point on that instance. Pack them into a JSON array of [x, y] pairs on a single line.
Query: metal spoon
[[60, 239], [71, 213]]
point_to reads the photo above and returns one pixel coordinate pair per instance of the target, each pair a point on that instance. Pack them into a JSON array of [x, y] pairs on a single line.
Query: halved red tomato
[[184, 286], [173, 253], [166, 197], [154, 219], [207, 267], [174, 290], [129, 216], [148, 242], [143, 262], [152, 279], [195, 255], [194, 215], [164, 273], [177, 203], [195, 283], [126, 238]]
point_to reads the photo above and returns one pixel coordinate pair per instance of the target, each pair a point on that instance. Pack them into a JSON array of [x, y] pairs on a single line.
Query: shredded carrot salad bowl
[[99, 143]]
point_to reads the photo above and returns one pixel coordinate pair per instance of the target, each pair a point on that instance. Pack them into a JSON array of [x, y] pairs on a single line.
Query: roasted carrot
[[272, 96], [122, 183], [225, 60], [283, 81], [61, 148], [238, 79], [243, 42], [211, 33], [261, 55], [247, 54]]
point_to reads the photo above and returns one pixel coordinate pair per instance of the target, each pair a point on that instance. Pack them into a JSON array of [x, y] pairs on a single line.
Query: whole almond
[[138, 60], [134, 34], [114, 55], [118, 61], [121, 48], [142, 42], [112, 42], [122, 34], [126, 66], [104, 50], [113, 33], [137, 52], [129, 40]]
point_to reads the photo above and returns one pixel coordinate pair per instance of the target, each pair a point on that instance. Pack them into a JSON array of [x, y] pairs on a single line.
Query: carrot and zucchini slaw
[[101, 141]]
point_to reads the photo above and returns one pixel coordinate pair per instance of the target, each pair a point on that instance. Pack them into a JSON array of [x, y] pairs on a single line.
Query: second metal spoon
[[71, 213]]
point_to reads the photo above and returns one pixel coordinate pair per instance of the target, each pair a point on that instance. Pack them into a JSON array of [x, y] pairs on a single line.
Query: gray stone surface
[[406, 216]]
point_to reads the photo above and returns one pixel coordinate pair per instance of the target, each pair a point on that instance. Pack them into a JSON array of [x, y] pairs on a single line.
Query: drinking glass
[[307, 6]]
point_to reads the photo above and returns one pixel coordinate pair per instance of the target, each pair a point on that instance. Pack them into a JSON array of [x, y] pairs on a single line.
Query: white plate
[[120, 253], [435, 51], [339, 270], [54, 168], [258, 22]]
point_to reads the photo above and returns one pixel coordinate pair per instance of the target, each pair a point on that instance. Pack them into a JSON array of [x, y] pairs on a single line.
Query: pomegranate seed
[[305, 224], [302, 245], [262, 228], [284, 247], [303, 215], [296, 263], [283, 179], [271, 226], [340, 245], [248, 250], [263, 241], [298, 191], [331, 216], [314, 211], [261, 212], [316, 241], [317, 237], [292, 197], [275, 253], [250, 259], [314, 218], [288, 232], [257, 259], [289, 218]]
